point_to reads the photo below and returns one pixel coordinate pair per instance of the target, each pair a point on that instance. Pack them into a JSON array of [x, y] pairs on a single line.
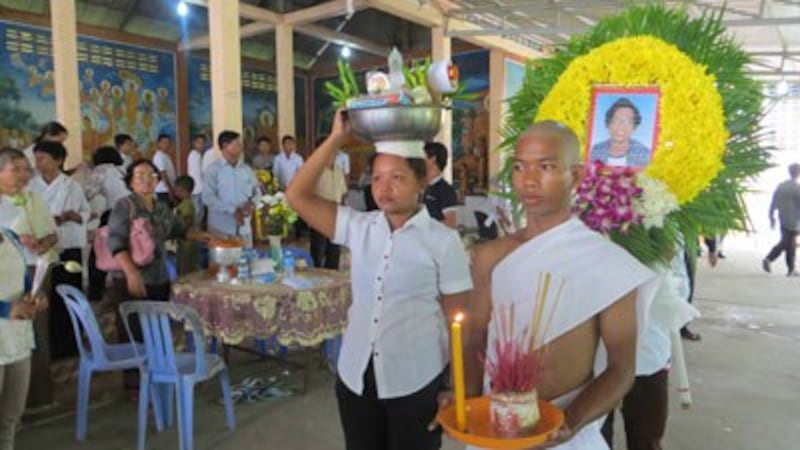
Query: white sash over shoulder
[[593, 272]]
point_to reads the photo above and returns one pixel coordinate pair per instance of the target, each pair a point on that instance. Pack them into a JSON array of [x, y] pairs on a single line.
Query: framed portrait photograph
[[623, 125]]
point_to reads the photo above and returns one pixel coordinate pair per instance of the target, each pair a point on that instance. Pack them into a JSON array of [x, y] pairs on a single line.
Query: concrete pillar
[[65, 76], [226, 66], [441, 48], [497, 109], [284, 72]]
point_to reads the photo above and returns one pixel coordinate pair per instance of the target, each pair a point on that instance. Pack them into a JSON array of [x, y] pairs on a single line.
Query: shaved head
[[566, 140]]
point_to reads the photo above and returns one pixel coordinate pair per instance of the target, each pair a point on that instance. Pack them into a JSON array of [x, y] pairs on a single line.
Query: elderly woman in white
[[16, 312]]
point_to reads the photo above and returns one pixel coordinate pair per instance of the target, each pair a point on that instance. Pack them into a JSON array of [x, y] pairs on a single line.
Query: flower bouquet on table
[[279, 215]]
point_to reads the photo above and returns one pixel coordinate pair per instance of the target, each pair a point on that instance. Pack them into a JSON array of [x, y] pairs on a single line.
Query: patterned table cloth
[[303, 317]]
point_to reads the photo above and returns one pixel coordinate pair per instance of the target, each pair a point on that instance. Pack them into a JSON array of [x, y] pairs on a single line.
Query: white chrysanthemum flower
[[655, 203]]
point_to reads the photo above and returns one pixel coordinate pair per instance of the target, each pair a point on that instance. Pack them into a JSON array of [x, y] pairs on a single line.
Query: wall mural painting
[[259, 104], [470, 144], [123, 89]]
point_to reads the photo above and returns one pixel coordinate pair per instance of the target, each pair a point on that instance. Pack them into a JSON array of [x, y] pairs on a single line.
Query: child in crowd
[[188, 252]]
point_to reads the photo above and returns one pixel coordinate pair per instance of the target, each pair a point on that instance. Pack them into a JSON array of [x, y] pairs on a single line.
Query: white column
[[226, 66], [441, 49], [284, 71], [65, 76]]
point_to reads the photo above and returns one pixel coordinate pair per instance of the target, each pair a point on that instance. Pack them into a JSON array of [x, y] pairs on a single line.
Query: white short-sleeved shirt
[[284, 168], [396, 318], [16, 336], [194, 168], [164, 164], [65, 194], [343, 161]]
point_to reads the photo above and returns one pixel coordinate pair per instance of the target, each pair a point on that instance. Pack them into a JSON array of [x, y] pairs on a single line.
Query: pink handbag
[[142, 247]]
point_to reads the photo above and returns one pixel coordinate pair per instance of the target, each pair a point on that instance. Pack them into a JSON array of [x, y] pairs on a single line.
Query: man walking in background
[[786, 200]]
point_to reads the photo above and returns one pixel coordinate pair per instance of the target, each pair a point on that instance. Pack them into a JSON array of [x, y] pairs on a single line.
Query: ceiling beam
[[429, 16], [245, 31], [501, 31], [528, 6], [265, 21], [334, 8], [248, 11], [339, 38]]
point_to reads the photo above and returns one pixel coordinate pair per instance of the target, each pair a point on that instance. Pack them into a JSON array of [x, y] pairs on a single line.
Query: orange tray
[[481, 434]]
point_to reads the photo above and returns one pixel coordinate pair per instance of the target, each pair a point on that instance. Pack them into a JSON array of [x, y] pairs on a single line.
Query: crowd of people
[[410, 271]]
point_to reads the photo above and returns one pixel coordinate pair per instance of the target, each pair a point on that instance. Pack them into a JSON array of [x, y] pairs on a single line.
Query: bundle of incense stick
[[542, 294]]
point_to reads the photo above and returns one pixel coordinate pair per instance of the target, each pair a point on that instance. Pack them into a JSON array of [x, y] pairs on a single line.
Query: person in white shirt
[[343, 162], [125, 146], [211, 155], [16, 311], [287, 163], [166, 169], [70, 210], [409, 274], [645, 407], [106, 186], [284, 169], [51, 132], [194, 168]]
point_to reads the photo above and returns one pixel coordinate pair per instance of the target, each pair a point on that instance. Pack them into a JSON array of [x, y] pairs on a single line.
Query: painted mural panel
[[123, 89], [259, 103], [471, 126]]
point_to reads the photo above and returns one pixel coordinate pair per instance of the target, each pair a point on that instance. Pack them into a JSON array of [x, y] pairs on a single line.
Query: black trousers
[[97, 277], [119, 294], [787, 244], [324, 252], [644, 410], [370, 423], [62, 335]]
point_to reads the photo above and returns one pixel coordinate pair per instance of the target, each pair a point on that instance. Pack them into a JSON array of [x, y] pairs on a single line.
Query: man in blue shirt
[[230, 190]]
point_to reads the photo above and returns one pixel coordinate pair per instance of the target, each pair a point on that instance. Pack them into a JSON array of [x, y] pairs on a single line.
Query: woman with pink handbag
[[138, 227]]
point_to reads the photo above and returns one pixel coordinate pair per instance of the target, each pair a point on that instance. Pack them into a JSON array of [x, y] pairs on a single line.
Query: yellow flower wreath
[[692, 136]]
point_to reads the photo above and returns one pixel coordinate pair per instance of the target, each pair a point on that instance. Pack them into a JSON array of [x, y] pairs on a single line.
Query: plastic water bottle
[[288, 265], [243, 268], [396, 78]]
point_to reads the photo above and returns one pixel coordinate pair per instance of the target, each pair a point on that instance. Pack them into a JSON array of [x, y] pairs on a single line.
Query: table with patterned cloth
[[296, 317]]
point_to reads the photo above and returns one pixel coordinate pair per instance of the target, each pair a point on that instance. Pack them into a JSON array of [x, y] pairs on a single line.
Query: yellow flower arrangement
[[692, 137]]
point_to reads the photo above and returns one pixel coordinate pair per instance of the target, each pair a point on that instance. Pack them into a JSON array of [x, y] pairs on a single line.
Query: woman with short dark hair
[[409, 273], [149, 281]]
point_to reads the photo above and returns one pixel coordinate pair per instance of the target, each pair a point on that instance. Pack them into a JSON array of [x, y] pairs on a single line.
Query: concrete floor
[[745, 375]]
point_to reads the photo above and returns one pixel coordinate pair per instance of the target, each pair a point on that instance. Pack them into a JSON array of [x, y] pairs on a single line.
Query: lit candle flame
[[459, 317]]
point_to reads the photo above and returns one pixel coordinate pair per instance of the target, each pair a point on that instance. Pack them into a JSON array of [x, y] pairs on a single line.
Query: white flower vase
[[514, 414]]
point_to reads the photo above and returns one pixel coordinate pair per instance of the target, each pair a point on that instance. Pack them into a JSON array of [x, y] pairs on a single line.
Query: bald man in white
[[591, 340]]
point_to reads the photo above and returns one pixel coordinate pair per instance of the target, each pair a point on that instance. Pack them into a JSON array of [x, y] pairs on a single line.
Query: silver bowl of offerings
[[396, 122], [225, 253]]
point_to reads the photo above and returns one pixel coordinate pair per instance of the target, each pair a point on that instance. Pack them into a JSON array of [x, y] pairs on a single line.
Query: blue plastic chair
[[166, 369], [97, 356]]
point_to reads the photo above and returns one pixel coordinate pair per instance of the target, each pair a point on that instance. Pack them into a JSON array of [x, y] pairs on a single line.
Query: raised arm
[[317, 212]]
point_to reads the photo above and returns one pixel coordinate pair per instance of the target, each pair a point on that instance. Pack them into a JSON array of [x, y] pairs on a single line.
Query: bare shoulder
[[486, 255]]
